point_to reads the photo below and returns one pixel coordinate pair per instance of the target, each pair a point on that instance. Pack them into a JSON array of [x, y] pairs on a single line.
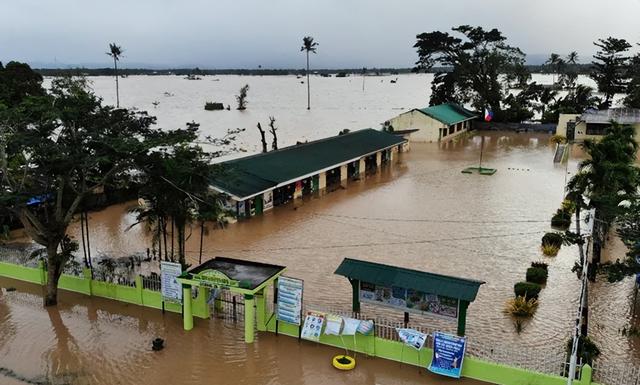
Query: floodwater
[[420, 213]]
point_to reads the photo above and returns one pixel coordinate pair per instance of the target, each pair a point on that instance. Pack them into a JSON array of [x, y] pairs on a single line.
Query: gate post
[[187, 315], [249, 318]]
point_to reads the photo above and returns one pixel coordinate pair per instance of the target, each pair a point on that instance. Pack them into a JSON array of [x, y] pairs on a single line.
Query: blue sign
[[448, 354]]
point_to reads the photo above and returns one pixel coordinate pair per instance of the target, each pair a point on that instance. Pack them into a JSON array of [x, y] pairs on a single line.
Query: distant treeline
[[579, 68]]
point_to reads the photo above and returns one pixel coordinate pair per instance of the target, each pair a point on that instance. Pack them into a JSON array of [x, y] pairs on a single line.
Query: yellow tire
[[340, 362]]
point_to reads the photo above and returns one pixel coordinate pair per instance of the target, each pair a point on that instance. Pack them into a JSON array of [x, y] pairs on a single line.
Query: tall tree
[[308, 45], [569, 74], [478, 66], [59, 148], [632, 100], [610, 67], [273, 129], [556, 63], [115, 51]]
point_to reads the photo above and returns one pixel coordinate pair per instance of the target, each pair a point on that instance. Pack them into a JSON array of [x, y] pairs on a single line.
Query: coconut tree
[[115, 51], [308, 45]]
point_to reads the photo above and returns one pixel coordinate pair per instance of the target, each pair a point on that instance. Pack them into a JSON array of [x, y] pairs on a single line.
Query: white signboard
[[171, 288], [312, 326], [268, 201], [289, 300]]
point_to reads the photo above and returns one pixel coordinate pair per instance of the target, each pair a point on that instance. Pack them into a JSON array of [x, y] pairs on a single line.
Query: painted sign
[[312, 328], [409, 300], [171, 288], [448, 354], [412, 337], [213, 277], [268, 201], [290, 300]]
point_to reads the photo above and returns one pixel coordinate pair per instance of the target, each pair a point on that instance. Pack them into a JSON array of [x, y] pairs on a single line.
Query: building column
[[462, 317], [261, 311], [322, 182], [378, 159], [249, 319], [187, 315], [362, 168], [344, 175], [355, 300]]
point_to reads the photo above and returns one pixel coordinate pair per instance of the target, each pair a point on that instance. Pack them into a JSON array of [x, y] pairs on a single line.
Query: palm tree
[[115, 51], [572, 58], [308, 45], [556, 62]]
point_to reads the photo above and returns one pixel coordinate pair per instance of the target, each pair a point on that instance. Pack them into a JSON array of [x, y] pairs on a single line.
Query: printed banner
[[289, 304], [312, 326], [448, 354], [171, 288], [268, 201], [409, 300], [412, 337]]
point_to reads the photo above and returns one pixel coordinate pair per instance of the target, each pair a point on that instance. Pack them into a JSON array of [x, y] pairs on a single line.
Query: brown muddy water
[[421, 213]]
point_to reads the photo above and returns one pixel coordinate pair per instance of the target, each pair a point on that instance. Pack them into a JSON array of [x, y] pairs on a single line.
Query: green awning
[[385, 275]]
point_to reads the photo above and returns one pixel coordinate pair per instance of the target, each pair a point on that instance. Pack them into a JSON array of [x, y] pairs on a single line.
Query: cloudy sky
[[248, 33]]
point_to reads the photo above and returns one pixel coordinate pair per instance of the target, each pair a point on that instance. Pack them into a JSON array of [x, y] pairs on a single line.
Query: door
[[258, 202], [571, 131]]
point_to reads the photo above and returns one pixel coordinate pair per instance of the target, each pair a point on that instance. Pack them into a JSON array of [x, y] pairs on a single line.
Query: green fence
[[136, 294]]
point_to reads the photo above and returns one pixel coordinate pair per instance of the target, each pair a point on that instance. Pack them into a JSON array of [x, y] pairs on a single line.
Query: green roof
[[449, 113], [251, 175], [385, 275]]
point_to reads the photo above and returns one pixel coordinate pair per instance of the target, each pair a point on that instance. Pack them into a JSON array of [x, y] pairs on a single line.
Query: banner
[[171, 288], [448, 354], [289, 305], [411, 337], [268, 200], [312, 326], [409, 300]]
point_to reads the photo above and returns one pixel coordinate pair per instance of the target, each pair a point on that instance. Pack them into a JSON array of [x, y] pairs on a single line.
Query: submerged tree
[[263, 139], [480, 65], [273, 129], [242, 98], [308, 45], [59, 148], [115, 51], [610, 67]]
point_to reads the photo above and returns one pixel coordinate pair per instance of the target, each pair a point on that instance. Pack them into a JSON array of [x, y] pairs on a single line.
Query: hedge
[[527, 289]]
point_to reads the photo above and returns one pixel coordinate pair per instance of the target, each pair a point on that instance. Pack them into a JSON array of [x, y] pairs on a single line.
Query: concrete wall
[[581, 128], [429, 129]]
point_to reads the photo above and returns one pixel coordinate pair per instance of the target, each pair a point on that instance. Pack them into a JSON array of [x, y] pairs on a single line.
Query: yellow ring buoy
[[338, 362]]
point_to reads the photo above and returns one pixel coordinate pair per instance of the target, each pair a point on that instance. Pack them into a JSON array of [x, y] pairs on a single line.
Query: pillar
[[187, 315], [322, 181], [139, 288], [378, 159], [392, 152], [355, 299], [462, 317], [249, 318], [586, 375], [261, 311], [344, 175], [362, 168]]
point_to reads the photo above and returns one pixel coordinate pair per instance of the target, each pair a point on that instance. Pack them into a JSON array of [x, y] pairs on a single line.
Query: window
[[452, 129], [596, 128]]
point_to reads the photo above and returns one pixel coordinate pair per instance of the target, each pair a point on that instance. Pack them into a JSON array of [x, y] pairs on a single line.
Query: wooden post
[[462, 317], [355, 285]]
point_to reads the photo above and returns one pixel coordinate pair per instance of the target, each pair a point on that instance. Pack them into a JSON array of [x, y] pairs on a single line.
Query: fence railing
[[611, 374], [152, 282]]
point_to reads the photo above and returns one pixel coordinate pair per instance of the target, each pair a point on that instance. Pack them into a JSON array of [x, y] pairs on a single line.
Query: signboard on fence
[[409, 300], [412, 337], [289, 305], [312, 326], [171, 288], [448, 354]]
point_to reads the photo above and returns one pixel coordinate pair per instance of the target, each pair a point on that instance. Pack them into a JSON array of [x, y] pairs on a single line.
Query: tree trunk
[[115, 65], [54, 269], [308, 85], [201, 241]]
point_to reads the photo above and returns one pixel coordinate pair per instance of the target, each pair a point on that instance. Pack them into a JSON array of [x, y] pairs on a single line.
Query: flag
[[488, 115]]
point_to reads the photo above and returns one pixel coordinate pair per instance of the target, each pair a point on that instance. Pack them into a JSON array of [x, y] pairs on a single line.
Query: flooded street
[[421, 213]]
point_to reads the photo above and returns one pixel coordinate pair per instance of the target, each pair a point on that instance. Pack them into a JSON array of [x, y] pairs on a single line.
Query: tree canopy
[[610, 67]]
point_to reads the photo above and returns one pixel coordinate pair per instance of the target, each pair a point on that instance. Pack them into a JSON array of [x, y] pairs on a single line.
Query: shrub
[[559, 139], [527, 289], [568, 206], [552, 239], [550, 250], [537, 275], [521, 307], [541, 265], [561, 219], [212, 106], [587, 349]]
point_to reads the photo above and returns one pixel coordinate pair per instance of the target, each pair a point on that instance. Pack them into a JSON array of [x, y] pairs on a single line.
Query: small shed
[[238, 276], [411, 291], [434, 123]]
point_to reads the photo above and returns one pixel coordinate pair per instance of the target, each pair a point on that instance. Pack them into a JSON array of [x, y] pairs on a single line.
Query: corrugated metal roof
[[448, 113], [385, 275], [250, 175]]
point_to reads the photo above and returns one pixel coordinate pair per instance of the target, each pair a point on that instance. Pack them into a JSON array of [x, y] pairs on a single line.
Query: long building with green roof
[[258, 182], [435, 123]]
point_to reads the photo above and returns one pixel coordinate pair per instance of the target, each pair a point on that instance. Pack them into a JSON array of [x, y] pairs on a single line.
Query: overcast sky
[[248, 33]]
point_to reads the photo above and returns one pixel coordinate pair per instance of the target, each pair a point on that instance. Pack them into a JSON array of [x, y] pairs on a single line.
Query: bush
[[587, 349], [559, 139], [537, 275], [554, 239], [527, 289], [568, 206], [521, 307], [561, 219], [541, 265], [550, 250], [212, 106]]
